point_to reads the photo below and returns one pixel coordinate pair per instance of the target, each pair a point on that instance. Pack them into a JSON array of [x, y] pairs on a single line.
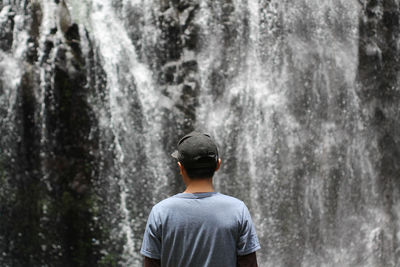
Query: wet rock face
[[378, 74], [379, 30], [175, 57], [68, 129], [171, 54], [6, 28], [49, 172], [379, 90]]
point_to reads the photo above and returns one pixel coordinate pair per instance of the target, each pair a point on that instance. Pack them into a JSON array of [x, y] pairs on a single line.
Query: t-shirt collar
[[195, 195]]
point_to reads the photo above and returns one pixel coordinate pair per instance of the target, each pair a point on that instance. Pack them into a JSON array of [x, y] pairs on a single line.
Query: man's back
[[200, 229]]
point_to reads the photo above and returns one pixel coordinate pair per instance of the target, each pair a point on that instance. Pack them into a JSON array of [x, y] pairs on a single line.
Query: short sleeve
[[151, 246], [248, 241]]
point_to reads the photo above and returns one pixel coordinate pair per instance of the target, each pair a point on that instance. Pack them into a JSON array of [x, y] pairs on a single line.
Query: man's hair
[[200, 173]]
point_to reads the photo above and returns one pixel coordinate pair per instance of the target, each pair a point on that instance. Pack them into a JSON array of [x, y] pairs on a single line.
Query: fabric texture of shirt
[[201, 229]]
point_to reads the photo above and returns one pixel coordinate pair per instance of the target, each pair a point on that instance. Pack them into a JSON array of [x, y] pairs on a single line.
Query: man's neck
[[199, 186]]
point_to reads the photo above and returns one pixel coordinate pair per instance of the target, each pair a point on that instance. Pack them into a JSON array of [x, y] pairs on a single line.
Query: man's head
[[198, 155]]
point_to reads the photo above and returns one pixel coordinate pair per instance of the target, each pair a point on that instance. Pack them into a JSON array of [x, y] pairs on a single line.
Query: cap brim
[[175, 154]]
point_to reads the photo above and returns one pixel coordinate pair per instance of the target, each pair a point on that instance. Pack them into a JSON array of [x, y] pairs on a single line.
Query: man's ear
[[218, 164], [180, 167]]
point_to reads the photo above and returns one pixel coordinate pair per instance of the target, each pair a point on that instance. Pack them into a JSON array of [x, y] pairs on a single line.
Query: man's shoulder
[[165, 202], [217, 197], [231, 199]]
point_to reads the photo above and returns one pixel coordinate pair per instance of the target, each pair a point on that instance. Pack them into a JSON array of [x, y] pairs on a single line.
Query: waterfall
[[302, 98]]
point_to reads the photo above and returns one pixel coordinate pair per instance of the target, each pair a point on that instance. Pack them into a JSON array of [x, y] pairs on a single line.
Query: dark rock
[[7, 30], [379, 94], [72, 35]]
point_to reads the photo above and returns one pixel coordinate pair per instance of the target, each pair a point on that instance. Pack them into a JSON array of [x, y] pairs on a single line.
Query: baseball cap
[[196, 150]]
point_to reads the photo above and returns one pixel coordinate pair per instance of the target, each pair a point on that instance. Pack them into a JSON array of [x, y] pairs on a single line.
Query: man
[[199, 227]]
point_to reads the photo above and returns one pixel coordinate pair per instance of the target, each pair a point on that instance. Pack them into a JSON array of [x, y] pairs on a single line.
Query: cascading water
[[302, 97]]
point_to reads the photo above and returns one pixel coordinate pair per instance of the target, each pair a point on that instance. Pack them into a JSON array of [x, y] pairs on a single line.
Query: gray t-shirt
[[201, 229]]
